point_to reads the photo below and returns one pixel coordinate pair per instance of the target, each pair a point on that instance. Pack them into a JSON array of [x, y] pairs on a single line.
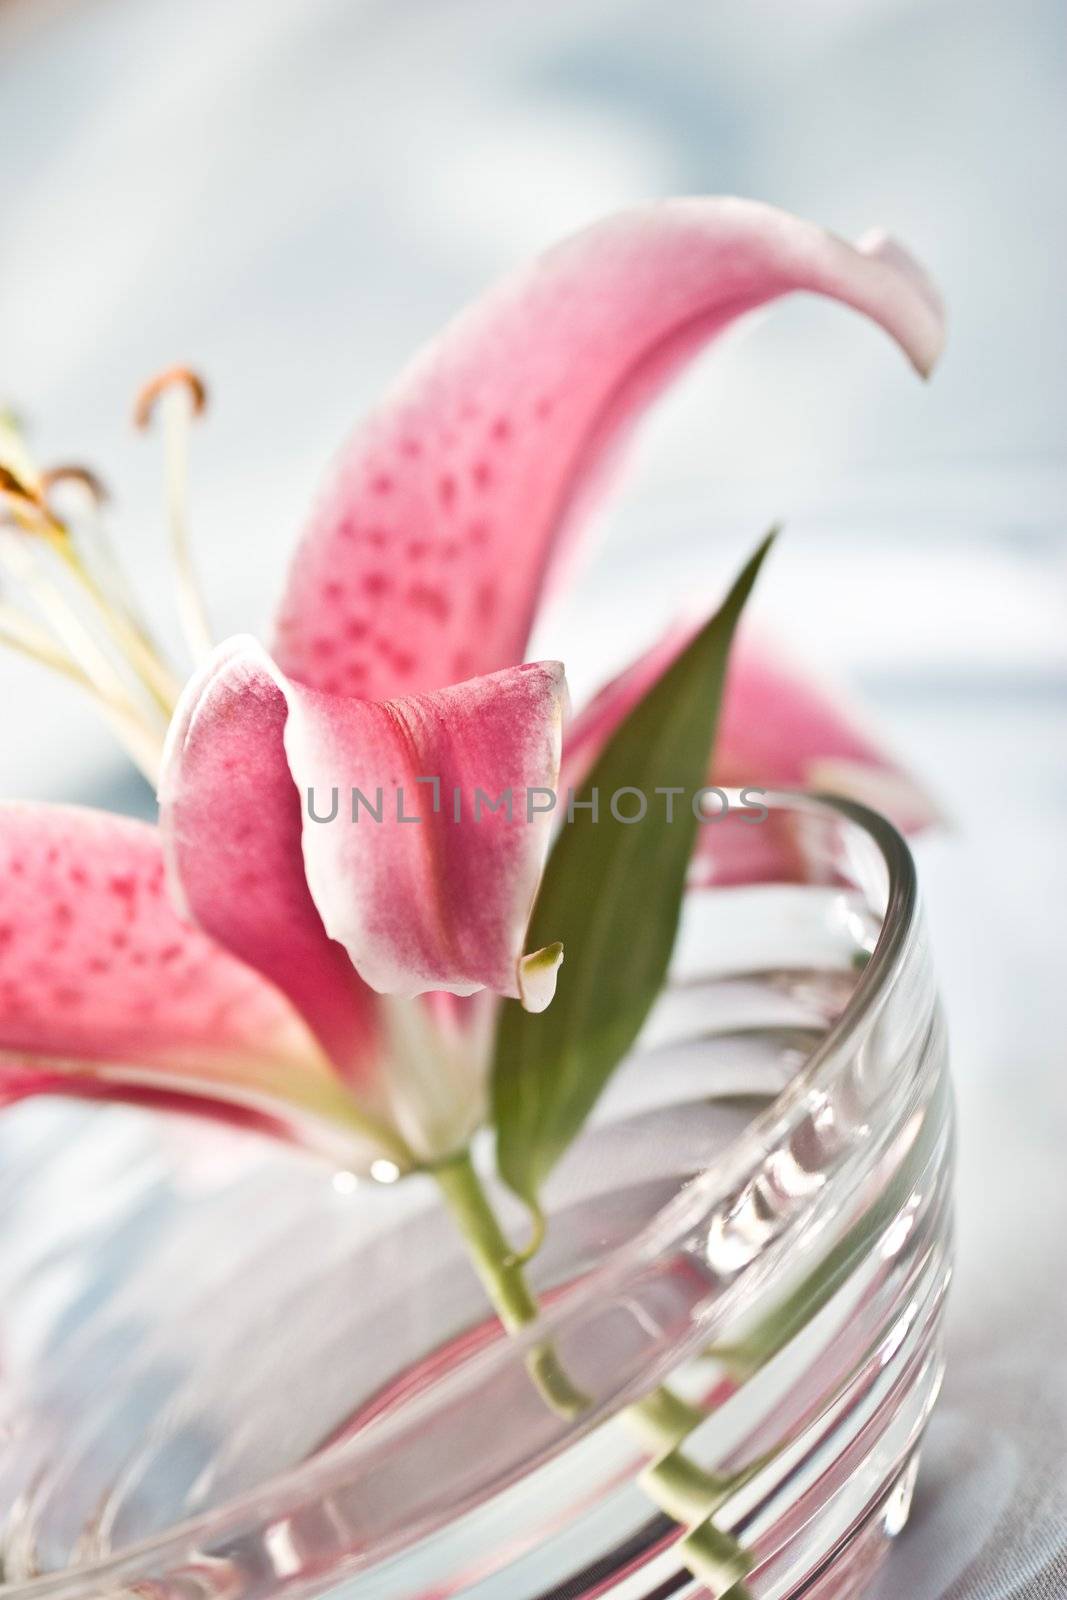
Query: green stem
[[501, 1273], [660, 1421]]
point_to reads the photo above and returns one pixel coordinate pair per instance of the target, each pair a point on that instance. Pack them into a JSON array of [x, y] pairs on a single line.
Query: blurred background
[[291, 196]]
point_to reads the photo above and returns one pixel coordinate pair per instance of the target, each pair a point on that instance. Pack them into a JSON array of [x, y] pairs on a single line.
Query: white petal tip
[[897, 796], [537, 977], [925, 339]]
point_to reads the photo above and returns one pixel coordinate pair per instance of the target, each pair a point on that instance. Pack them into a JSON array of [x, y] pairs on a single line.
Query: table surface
[[292, 199]]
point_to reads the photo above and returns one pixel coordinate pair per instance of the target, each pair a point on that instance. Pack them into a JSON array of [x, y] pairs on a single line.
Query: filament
[[104, 567], [130, 638], [79, 656], [179, 395], [24, 635], [32, 514], [63, 619], [93, 534], [141, 742], [137, 700]]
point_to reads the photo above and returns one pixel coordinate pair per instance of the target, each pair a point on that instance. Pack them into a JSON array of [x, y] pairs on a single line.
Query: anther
[[170, 378], [25, 496], [69, 472], [68, 643]]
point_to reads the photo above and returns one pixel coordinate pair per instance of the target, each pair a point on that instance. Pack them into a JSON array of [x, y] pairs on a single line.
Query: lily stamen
[[31, 512], [98, 658], [23, 499], [179, 395], [93, 536], [130, 639], [21, 633], [27, 638], [70, 649], [70, 472], [25, 574]]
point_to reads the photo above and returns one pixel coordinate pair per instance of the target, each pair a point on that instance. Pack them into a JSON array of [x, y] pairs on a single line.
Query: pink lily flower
[[778, 729], [338, 982]]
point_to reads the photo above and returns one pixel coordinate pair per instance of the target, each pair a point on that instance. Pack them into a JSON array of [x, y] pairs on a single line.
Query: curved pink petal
[[779, 728], [421, 895], [25, 1079], [425, 558], [442, 901], [230, 816], [96, 968]]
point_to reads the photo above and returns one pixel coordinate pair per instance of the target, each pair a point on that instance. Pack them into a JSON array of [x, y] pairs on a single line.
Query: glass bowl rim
[[669, 1224]]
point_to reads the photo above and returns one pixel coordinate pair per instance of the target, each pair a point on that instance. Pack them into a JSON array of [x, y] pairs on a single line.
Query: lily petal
[[230, 816], [422, 896], [779, 728], [594, 725], [442, 902], [23, 1079], [426, 557], [783, 727], [98, 971]]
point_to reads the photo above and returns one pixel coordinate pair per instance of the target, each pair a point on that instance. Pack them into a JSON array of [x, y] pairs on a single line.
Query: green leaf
[[612, 892]]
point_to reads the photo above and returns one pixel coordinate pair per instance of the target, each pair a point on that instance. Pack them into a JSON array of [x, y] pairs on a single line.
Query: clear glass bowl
[[227, 1372]]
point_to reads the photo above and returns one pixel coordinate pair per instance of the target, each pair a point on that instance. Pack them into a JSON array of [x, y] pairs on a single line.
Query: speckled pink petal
[[428, 885], [97, 969], [437, 894], [781, 726], [425, 559], [779, 729], [230, 816]]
